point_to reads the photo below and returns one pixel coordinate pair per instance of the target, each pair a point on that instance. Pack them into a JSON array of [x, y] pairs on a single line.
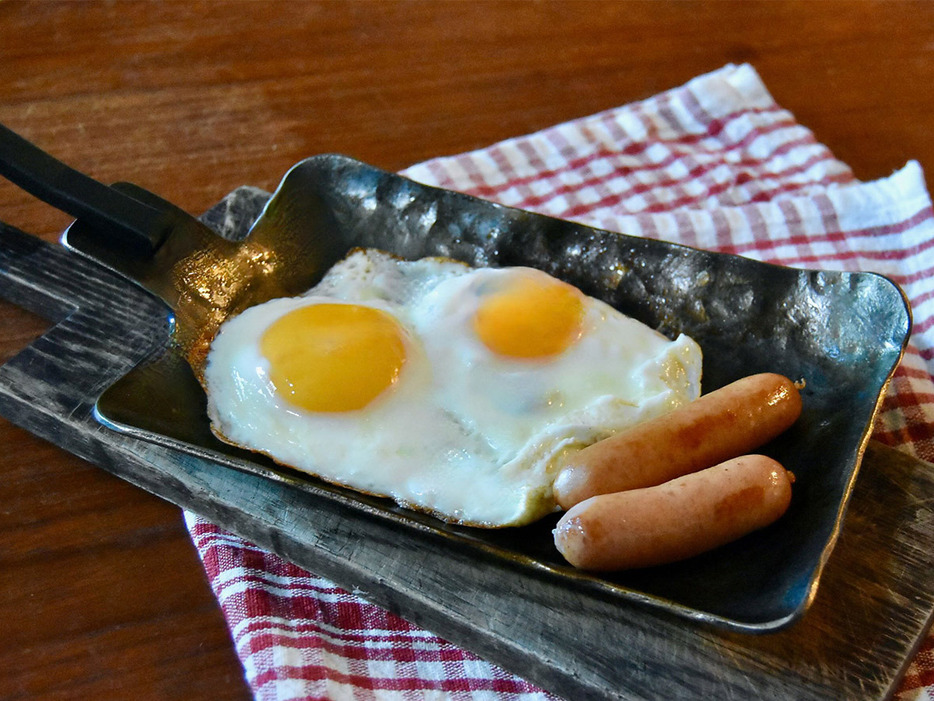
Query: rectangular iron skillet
[[843, 333]]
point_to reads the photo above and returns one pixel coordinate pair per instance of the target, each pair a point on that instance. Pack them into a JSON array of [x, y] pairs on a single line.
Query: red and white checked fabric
[[715, 164]]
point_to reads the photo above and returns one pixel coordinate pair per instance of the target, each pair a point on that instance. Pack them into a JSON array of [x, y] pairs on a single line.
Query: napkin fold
[[714, 164]]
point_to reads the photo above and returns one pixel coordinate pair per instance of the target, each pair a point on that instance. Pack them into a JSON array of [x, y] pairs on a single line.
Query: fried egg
[[453, 390]]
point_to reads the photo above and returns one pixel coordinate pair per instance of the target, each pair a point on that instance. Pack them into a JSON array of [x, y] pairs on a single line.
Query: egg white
[[466, 435]]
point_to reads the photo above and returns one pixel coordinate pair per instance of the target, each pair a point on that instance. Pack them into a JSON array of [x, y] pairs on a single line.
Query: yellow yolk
[[532, 316], [334, 357]]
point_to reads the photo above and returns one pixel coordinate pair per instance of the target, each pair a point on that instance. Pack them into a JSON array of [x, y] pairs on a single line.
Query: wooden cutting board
[[872, 610]]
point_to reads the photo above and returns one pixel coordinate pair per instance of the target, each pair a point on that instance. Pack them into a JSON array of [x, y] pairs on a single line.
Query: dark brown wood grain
[[876, 586], [101, 594]]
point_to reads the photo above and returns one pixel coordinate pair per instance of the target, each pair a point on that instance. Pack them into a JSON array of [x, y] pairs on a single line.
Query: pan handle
[[126, 220]]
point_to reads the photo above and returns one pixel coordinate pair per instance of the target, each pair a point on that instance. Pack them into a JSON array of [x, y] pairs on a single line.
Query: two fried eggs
[[453, 390]]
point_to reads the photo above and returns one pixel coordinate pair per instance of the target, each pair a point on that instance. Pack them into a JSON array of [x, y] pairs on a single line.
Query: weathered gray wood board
[[871, 611]]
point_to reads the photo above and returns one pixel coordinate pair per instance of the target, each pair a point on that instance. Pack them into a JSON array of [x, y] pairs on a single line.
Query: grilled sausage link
[[676, 520], [733, 420]]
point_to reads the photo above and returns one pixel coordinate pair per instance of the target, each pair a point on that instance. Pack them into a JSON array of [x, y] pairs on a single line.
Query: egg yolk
[[531, 316], [334, 357]]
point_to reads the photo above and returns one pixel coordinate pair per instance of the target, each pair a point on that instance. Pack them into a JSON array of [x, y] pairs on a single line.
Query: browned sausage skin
[[676, 520], [733, 420]]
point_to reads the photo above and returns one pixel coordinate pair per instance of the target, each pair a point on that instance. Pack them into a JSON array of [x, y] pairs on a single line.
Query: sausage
[[733, 420], [675, 520]]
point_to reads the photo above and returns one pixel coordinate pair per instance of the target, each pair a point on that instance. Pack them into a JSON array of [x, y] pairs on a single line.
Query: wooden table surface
[[101, 591]]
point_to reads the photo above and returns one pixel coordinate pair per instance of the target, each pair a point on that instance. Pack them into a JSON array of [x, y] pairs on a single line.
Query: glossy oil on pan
[[842, 333]]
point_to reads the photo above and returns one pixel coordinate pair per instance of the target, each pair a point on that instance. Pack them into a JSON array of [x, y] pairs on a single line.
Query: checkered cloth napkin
[[715, 164]]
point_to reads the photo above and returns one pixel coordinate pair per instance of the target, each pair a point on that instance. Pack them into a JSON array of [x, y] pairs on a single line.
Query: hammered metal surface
[[843, 333]]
